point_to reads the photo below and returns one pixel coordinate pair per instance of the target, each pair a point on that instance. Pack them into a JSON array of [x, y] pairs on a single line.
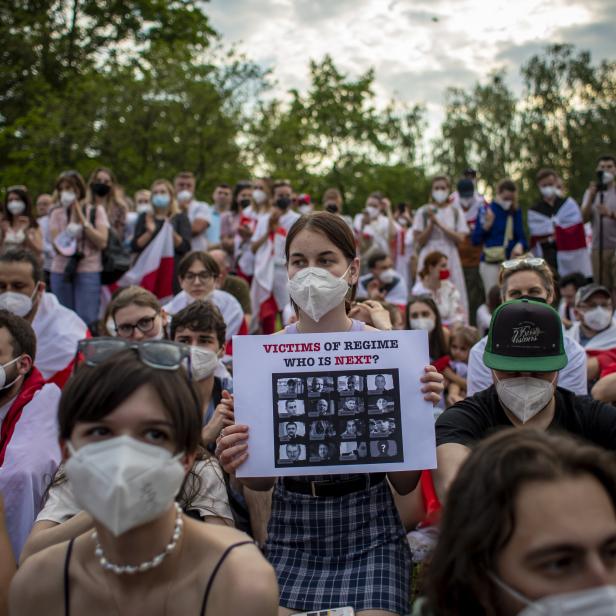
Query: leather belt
[[333, 488]]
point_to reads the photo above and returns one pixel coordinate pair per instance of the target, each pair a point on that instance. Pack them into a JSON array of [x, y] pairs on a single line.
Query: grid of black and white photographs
[[333, 419]]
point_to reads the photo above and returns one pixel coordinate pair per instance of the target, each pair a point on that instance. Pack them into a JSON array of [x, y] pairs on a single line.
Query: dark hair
[[24, 195], [280, 184], [545, 173], [223, 185], [508, 185], [607, 157], [289, 423], [237, 189], [432, 260], [576, 279], [94, 392], [23, 338], [375, 258], [75, 180], [197, 255], [21, 255], [479, 516], [334, 228], [436, 338], [200, 316]]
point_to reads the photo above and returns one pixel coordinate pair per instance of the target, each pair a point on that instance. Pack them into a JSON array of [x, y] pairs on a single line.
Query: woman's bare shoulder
[[37, 585]]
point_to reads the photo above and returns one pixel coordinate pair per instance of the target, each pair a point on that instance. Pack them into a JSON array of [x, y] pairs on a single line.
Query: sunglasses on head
[[161, 354], [534, 262]]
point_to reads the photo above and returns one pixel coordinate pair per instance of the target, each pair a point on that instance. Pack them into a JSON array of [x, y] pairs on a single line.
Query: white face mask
[[203, 363], [548, 191], [144, 208], [466, 202], [17, 303], [16, 207], [316, 291], [524, 396], [423, 323], [3, 383], [598, 318], [387, 276], [67, 197], [599, 601], [259, 196], [373, 212], [122, 482], [184, 196], [440, 196], [608, 177], [506, 205]]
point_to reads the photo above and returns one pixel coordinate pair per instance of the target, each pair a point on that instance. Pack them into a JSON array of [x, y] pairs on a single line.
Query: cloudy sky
[[417, 47]]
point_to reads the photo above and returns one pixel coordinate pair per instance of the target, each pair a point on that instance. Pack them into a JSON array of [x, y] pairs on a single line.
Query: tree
[[334, 135]]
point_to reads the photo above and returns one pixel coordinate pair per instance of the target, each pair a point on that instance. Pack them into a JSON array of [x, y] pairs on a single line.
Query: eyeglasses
[[144, 325], [161, 354], [534, 262], [203, 276]]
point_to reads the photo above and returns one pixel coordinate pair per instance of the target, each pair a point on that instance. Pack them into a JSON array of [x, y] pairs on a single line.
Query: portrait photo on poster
[[337, 420]]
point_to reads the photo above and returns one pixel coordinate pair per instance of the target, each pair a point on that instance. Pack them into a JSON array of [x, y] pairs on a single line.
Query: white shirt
[[199, 210], [571, 377]]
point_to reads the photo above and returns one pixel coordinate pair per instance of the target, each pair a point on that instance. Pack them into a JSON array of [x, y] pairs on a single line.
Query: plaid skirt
[[339, 551]]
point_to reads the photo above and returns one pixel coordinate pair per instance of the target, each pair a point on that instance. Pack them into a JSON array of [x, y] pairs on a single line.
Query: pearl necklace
[[148, 564]]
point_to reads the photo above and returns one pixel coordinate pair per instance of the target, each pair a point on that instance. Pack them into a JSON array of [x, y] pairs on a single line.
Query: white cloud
[[417, 47]]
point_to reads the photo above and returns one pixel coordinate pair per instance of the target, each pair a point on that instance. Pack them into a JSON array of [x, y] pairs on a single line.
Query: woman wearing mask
[[434, 280], [237, 227], [130, 430], [528, 528], [103, 189], [149, 224], [363, 560], [77, 265], [441, 225], [20, 228], [501, 231]]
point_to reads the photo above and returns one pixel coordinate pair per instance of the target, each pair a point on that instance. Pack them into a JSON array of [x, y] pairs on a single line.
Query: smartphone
[[335, 611]]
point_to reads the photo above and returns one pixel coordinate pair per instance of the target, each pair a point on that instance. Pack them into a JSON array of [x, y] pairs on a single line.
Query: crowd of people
[[118, 441]]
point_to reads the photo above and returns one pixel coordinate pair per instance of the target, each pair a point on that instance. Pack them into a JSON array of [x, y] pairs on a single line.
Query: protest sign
[[333, 403]]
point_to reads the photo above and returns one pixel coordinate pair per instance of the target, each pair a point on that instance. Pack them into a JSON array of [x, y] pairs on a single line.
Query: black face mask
[[245, 203], [283, 203], [100, 189], [332, 208]]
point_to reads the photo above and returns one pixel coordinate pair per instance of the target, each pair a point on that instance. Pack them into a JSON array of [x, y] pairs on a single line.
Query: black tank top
[[208, 588]]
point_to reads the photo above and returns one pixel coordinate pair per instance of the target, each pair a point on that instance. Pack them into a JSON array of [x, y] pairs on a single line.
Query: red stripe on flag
[[570, 238], [160, 281]]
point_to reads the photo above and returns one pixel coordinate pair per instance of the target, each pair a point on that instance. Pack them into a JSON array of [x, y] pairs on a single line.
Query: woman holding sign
[[339, 534]]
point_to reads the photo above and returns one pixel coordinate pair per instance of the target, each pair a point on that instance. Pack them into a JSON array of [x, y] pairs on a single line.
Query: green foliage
[[334, 135]]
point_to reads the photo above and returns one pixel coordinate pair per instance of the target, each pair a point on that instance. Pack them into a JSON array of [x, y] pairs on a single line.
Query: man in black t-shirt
[[525, 352]]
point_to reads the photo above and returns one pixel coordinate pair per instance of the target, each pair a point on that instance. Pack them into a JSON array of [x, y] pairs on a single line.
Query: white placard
[[323, 404]]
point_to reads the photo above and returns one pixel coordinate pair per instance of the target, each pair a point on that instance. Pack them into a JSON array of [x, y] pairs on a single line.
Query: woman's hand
[[23, 222], [489, 219], [517, 250], [150, 224], [433, 385], [231, 447], [372, 313]]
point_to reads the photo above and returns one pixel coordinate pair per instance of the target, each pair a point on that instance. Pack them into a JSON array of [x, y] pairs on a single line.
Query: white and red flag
[[566, 227], [153, 269]]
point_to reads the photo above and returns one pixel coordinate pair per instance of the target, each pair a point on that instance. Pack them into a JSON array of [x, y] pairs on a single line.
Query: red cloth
[[432, 505], [243, 331], [32, 384], [441, 363], [60, 377]]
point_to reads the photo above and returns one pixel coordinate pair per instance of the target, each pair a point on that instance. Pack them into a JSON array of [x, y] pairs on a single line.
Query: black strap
[[216, 568], [67, 597]]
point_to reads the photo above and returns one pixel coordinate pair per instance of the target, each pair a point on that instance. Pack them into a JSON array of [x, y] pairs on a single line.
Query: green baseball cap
[[525, 336]]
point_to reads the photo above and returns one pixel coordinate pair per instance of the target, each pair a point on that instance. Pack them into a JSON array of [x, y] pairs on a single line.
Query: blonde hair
[[173, 204], [115, 195], [543, 271], [134, 295]]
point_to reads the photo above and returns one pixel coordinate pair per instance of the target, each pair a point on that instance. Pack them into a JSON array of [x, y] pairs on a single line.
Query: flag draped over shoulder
[[567, 228]]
